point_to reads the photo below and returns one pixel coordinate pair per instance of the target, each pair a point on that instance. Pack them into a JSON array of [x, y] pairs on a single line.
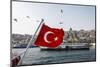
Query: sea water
[[35, 56]]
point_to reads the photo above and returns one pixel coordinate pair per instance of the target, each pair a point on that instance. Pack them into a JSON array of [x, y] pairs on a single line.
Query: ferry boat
[[69, 46]]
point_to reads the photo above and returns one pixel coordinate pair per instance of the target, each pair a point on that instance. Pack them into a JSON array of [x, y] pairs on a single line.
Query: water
[[36, 56]]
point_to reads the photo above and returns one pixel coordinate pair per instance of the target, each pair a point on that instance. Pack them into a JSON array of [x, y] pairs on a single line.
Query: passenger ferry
[[70, 46]]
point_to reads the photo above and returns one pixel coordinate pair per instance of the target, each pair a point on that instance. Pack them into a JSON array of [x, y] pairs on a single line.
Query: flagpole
[[30, 42]]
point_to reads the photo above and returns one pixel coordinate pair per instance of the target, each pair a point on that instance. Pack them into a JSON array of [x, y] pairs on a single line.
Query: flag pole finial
[[42, 20]]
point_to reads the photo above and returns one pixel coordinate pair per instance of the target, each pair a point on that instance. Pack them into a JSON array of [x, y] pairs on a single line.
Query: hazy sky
[[29, 15]]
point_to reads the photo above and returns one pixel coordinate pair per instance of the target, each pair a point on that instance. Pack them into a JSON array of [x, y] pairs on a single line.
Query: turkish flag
[[49, 37]]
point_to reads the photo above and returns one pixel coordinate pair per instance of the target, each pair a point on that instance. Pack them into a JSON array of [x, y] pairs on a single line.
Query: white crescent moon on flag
[[45, 36]]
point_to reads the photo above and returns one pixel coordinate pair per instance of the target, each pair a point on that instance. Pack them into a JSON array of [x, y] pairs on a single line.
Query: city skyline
[[27, 16]]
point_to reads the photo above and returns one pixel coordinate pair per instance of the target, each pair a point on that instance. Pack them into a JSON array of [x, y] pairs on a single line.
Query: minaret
[[61, 20]]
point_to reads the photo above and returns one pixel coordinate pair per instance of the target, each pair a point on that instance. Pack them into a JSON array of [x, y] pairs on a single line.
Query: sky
[[26, 16]]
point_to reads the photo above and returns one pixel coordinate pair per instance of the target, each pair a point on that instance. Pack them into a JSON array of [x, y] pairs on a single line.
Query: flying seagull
[[61, 11], [27, 16], [15, 20], [60, 22]]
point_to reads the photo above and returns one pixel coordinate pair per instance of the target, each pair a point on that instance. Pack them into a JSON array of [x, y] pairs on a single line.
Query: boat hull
[[67, 48]]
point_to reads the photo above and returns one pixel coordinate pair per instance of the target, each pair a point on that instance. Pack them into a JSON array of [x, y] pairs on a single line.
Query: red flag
[[49, 37]]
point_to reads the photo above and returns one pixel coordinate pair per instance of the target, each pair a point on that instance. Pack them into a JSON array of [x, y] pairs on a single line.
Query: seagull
[[60, 23], [15, 20], [27, 16], [38, 21], [61, 11]]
